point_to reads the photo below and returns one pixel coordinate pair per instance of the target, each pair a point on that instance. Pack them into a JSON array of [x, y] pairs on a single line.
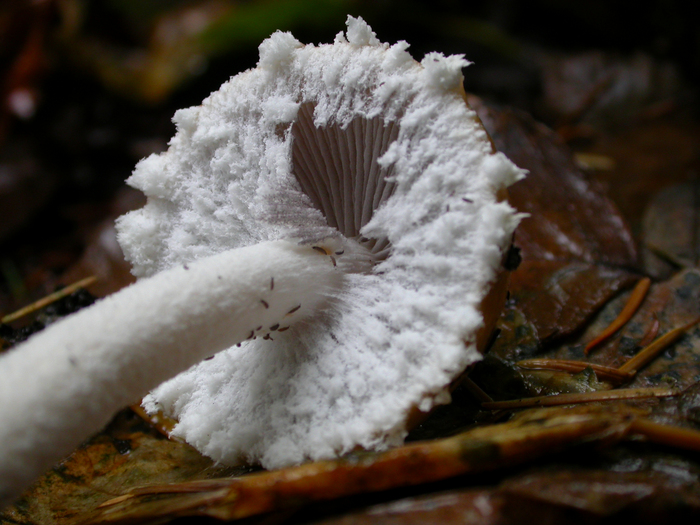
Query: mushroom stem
[[65, 383]]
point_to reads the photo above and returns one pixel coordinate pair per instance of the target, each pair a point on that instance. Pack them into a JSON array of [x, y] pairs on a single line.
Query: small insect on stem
[[326, 252], [293, 310]]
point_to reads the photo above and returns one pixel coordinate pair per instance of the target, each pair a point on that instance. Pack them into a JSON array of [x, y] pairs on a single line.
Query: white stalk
[[65, 383]]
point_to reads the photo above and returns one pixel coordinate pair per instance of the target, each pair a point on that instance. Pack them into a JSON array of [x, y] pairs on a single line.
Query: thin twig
[[603, 372], [650, 352], [45, 301], [633, 303], [685, 438], [475, 390], [583, 397], [674, 260], [523, 439]]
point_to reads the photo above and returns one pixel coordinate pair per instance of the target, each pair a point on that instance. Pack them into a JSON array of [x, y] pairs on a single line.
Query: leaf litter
[[132, 474]]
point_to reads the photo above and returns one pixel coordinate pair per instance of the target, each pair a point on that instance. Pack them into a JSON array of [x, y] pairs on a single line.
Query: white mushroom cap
[[358, 142]]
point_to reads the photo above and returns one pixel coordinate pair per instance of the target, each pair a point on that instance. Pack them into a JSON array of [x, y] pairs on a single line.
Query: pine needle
[[633, 303], [51, 298], [584, 397], [673, 436], [604, 373], [650, 352]]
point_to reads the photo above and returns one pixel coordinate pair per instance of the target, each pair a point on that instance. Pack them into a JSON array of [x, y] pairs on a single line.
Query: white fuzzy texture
[[396, 336], [66, 382]]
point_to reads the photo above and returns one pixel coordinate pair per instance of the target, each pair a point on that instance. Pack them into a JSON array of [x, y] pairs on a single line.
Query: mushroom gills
[[337, 168]]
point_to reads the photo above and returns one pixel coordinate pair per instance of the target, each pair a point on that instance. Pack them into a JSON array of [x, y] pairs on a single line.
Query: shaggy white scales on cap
[[358, 143]]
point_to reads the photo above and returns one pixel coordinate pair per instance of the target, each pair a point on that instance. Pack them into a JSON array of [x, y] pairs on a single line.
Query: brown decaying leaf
[[126, 455], [567, 495], [673, 304], [577, 249]]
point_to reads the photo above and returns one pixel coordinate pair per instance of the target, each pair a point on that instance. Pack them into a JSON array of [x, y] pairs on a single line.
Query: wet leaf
[[650, 494], [656, 492], [466, 507], [674, 303], [576, 247]]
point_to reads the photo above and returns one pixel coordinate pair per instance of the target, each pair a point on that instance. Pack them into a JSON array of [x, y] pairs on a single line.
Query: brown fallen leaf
[[602, 493], [660, 492], [674, 304], [577, 251]]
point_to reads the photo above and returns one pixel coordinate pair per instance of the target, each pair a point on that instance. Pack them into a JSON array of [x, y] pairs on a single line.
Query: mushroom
[[331, 225]]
